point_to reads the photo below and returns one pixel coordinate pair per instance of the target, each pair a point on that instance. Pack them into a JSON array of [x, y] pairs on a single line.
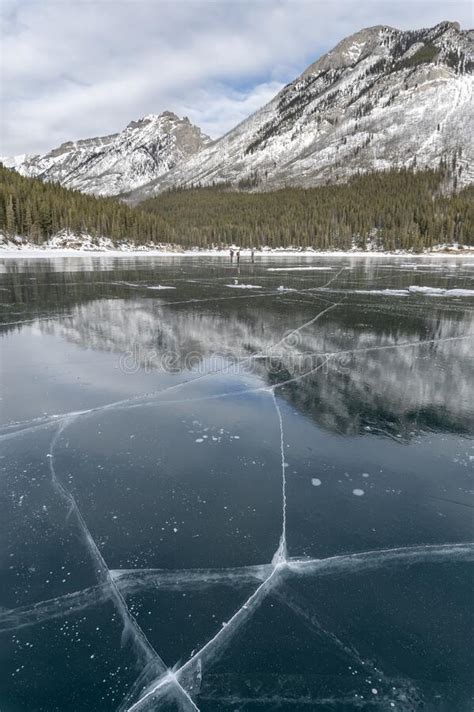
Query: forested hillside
[[392, 210], [37, 210], [397, 210]]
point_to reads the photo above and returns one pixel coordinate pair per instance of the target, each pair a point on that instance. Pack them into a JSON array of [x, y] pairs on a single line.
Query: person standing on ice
[[252, 255], [238, 257], [231, 254]]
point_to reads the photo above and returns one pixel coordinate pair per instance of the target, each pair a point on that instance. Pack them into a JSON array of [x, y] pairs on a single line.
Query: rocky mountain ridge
[[109, 165], [381, 99]]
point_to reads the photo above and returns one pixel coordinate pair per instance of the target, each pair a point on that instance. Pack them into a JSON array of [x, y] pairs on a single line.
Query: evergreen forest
[[398, 209]]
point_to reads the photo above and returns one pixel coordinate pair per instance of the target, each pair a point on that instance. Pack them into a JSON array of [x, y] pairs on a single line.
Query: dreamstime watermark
[[285, 357]]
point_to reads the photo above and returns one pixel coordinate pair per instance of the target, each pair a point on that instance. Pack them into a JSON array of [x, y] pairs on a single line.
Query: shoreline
[[56, 252], [67, 244]]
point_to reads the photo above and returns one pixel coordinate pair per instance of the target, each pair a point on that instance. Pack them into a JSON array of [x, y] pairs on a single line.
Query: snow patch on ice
[[425, 291], [244, 286], [440, 292], [298, 269], [161, 286]]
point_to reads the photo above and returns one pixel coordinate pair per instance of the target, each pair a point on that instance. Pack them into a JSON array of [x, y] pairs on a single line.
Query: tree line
[[398, 209]]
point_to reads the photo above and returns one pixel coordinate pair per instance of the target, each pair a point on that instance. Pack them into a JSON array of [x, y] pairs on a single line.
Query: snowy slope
[[114, 164], [381, 98]]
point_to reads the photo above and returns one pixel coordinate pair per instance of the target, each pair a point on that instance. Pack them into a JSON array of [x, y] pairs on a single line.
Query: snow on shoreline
[[51, 253], [67, 245], [35, 252]]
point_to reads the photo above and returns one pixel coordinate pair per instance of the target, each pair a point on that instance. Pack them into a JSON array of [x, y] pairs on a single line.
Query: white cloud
[[219, 108], [75, 68]]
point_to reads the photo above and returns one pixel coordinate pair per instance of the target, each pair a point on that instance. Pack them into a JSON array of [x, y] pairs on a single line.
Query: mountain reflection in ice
[[225, 499], [374, 374]]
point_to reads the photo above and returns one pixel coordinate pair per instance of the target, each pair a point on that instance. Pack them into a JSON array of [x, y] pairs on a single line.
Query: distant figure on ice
[[231, 254], [238, 257], [252, 255]]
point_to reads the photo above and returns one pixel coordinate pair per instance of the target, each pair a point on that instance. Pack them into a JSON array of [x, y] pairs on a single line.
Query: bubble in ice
[[358, 492], [315, 482], [365, 474]]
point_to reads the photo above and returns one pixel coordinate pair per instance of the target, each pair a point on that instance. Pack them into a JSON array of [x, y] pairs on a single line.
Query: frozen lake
[[236, 489]]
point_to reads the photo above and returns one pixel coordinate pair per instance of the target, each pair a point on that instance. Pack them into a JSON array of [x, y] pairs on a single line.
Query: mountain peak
[[153, 118], [381, 98], [447, 24], [109, 165]]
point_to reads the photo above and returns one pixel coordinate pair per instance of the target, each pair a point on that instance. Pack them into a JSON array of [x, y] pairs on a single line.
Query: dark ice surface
[[237, 489]]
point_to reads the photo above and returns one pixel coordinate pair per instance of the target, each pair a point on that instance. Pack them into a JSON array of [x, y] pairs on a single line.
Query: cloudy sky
[[77, 68]]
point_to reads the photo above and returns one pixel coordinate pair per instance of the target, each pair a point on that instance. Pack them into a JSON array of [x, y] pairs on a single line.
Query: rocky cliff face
[[381, 98], [115, 164]]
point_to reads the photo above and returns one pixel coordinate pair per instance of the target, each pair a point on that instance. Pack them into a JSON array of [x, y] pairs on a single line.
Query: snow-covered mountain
[[381, 98], [109, 165]]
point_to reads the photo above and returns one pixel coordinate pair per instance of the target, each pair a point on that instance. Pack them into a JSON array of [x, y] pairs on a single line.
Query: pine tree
[[10, 221]]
